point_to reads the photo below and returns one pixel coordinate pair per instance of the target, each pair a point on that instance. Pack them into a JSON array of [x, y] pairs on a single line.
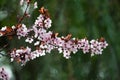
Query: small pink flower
[[85, 45], [39, 21], [66, 53], [104, 44], [3, 74], [29, 40], [3, 28], [60, 50], [40, 52], [48, 23], [36, 43]]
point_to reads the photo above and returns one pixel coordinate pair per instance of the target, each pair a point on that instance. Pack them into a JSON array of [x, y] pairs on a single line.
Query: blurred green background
[[81, 18]]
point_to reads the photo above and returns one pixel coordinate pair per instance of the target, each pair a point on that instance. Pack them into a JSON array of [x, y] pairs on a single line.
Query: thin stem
[[2, 54], [24, 15], [3, 47]]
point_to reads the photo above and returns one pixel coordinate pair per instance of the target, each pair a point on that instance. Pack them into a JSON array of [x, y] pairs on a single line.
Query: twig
[[2, 54], [24, 15], [3, 47]]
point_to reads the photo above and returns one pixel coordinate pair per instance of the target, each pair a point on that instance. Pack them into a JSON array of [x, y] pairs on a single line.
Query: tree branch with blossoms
[[44, 41]]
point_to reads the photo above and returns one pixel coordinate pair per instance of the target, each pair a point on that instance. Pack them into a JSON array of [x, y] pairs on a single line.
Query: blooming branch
[[45, 41]]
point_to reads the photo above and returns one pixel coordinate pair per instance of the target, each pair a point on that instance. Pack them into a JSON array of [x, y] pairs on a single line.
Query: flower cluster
[[44, 41], [22, 31], [3, 74], [21, 55], [43, 21], [97, 47]]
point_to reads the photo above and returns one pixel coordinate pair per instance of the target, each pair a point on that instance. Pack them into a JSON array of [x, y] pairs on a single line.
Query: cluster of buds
[[3, 74], [44, 41]]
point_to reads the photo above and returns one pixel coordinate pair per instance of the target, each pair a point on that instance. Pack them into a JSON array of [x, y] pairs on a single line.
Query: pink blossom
[[37, 53], [47, 23], [97, 47], [29, 40], [85, 45], [43, 22], [3, 28], [22, 31], [3, 74], [13, 27], [66, 53], [36, 43], [39, 21], [104, 44], [21, 55]]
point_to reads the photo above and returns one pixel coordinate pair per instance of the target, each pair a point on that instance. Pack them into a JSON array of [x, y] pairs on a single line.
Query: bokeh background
[[81, 18]]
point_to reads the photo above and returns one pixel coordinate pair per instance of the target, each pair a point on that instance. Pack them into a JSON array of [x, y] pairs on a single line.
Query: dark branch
[[24, 15]]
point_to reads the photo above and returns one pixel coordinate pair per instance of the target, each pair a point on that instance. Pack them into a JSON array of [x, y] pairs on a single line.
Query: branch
[[24, 15]]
